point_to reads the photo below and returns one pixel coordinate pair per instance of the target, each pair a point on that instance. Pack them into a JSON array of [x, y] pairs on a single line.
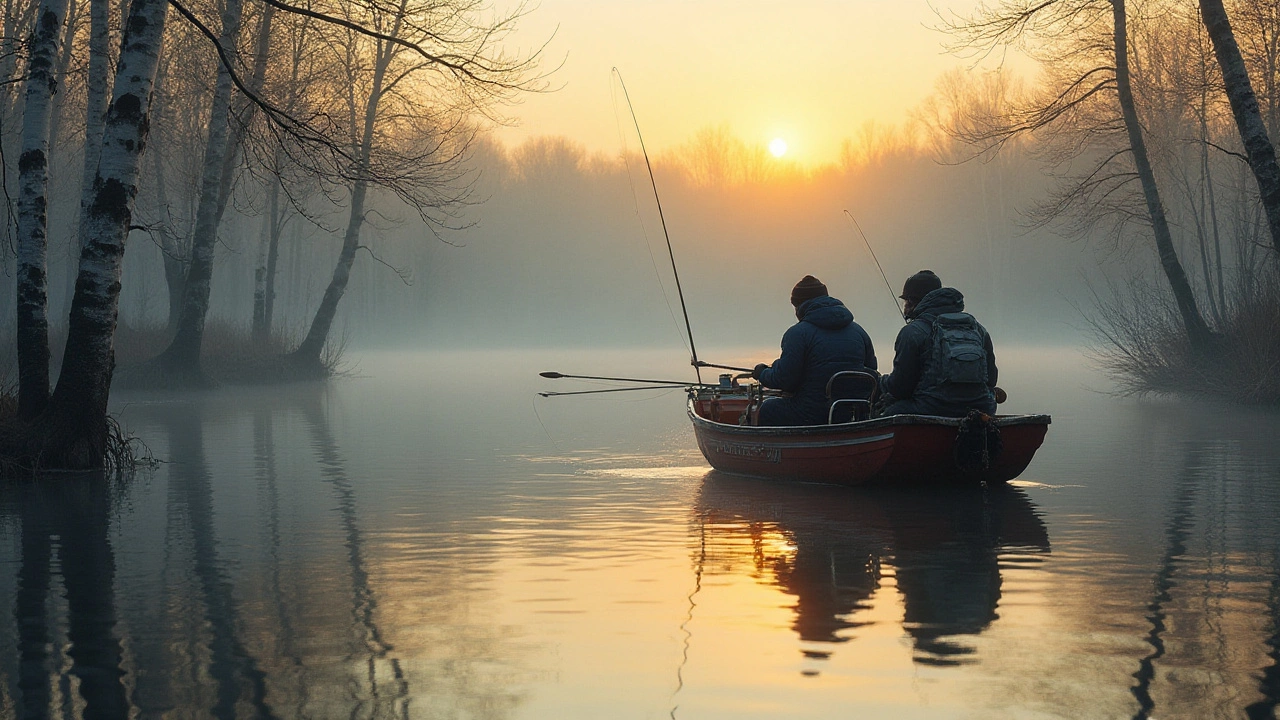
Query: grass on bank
[[1140, 341]]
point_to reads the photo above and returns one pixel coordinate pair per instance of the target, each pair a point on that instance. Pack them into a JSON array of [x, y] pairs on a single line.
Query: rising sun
[[778, 147]]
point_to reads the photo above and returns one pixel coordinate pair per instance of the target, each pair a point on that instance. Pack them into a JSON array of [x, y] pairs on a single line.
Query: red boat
[[893, 449]]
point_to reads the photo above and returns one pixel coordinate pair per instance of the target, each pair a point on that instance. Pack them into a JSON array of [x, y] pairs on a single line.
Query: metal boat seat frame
[[861, 401]]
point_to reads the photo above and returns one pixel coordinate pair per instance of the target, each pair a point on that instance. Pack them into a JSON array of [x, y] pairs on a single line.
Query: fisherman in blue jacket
[[943, 362], [825, 341]]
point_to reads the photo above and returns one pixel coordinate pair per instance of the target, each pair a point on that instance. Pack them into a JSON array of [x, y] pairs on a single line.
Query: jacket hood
[[825, 312], [938, 302]]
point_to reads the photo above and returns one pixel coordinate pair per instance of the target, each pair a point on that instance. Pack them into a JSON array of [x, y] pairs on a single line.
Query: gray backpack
[[959, 355]]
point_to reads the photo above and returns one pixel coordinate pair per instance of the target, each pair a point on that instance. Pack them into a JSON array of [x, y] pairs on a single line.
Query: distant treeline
[[251, 152]]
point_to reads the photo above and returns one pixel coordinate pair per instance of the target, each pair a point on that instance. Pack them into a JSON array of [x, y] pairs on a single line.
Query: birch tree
[[1244, 105], [32, 218], [99, 71], [72, 433]]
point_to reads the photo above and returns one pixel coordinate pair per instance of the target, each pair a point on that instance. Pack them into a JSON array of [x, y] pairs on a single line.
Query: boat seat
[[850, 394]]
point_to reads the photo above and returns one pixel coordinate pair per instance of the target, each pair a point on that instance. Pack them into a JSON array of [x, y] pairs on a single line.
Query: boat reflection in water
[[833, 548]]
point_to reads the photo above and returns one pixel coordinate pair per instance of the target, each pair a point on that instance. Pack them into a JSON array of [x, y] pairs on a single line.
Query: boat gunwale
[[851, 427]]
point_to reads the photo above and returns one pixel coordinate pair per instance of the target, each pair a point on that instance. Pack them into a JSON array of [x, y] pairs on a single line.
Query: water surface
[[428, 539]]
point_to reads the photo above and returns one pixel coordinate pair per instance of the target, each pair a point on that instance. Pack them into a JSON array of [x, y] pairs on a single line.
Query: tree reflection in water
[[373, 651], [233, 666], [64, 541], [830, 546]]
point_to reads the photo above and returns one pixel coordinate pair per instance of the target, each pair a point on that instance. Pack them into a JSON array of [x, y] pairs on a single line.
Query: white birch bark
[[32, 216], [96, 101], [76, 424], [1244, 105]]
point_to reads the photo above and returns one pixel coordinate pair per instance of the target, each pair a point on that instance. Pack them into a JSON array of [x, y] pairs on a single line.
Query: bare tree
[[407, 114], [1244, 105], [1197, 330], [1088, 103], [182, 359]]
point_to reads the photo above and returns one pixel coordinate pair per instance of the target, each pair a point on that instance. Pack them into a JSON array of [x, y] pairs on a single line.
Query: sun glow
[[778, 147]]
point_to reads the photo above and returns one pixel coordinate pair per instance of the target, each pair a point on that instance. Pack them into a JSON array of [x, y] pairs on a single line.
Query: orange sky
[[810, 71]]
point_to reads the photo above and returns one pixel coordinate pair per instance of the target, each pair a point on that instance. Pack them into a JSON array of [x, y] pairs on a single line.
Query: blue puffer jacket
[[913, 351], [824, 342]]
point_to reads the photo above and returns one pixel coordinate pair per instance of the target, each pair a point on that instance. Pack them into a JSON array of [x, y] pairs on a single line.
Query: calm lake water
[[428, 539]]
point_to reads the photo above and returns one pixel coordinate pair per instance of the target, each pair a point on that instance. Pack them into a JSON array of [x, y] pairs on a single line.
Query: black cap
[[919, 285], [808, 288]]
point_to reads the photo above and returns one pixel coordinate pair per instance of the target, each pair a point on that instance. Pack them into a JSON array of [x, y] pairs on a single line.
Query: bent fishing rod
[[867, 242], [693, 349]]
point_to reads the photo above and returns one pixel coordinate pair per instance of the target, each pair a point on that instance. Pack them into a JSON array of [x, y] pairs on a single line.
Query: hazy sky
[[809, 71]]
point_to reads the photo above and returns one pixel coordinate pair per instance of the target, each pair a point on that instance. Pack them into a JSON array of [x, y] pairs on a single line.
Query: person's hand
[[759, 369]]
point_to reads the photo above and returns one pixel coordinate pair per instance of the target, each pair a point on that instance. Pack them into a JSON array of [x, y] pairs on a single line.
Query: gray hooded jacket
[[912, 376]]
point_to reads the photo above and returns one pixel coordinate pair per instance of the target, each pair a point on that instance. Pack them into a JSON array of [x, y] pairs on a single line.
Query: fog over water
[[567, 249], [429, 538]]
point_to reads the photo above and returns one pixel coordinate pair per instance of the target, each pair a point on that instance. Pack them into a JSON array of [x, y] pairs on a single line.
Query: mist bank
[[566, 248]]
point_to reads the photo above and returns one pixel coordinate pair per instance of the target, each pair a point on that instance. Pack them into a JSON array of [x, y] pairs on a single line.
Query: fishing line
[[867, 242], [635, 199], [693, 349], [684, 625], [545, 431]]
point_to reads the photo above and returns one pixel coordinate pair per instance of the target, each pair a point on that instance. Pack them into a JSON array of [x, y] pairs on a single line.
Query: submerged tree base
[[30, 448], [1141, 341]]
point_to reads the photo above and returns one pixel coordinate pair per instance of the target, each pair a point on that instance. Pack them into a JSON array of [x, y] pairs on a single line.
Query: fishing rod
[[553, 375], [722, 367], [693, 349], [858, 227], [611, 390]]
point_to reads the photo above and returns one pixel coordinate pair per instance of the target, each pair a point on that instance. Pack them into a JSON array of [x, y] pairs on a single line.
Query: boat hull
[[894, 449]]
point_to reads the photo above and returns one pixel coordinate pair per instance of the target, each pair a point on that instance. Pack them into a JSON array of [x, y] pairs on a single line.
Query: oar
[[722, 367], [556, 376], [610, 390]]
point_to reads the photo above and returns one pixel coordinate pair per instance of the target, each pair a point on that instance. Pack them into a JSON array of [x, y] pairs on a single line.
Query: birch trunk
[[32, 299], [1197, 331], [75, 424], [1244, 105], [182, 358], [95, 107]]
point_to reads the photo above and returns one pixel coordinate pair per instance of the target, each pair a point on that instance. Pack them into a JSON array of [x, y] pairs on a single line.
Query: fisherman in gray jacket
[[943, 363]]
